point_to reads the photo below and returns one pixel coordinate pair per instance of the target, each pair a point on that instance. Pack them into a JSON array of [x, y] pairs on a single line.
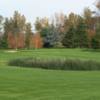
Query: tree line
[[16, 33], [72, 31]]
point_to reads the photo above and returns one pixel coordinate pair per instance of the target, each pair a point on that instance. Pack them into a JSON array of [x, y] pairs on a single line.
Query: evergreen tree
[[69, 38], [81, 34], [28, 35]]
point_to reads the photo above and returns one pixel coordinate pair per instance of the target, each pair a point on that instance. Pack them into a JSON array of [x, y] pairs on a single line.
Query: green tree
[[95, 42], [96, 38], [2, 42], [81, 34], [69, 38], [28, 35], [1, 23]]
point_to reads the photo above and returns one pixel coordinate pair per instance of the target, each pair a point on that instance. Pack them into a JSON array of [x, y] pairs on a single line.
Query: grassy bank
[[38, 84]]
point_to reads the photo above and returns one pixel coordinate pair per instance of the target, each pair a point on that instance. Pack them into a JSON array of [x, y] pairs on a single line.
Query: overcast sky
[[41, 8]]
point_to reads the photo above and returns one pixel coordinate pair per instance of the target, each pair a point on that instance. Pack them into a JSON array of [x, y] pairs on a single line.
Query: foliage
[[76, 36], [95, 43], [81, 34], [1, 23], [37, 41], [70, 31], [69, 38], [28, 35]]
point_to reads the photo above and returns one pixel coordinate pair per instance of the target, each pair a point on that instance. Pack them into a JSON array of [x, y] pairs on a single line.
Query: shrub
[[95, 43], [57, 64]]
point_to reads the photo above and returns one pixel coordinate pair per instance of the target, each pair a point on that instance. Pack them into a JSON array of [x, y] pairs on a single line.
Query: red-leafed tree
[[36, 41], [11, 41]]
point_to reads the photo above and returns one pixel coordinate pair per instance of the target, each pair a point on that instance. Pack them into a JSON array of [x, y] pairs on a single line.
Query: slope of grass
[[36, 84]]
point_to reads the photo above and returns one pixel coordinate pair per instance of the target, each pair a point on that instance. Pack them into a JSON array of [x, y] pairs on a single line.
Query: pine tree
[[81, 34], [28, 35], [69, 38]]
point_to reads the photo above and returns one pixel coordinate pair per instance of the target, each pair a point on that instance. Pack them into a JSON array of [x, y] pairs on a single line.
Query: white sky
[[41, 8]]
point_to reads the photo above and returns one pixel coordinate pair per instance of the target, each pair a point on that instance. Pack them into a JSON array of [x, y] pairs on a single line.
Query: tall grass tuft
[[56, 64]]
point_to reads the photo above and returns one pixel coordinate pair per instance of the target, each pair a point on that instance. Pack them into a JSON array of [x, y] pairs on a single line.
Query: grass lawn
[[38, 84]]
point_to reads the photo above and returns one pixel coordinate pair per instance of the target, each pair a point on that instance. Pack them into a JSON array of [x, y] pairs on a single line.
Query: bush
[[95, 43], [57, 64]]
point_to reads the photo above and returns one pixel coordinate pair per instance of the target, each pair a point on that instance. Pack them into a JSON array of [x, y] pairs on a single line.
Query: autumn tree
[[18, 22], [51, 32], [41, 23], [37, 41], [15, 25], [38, 24], [90, 22]]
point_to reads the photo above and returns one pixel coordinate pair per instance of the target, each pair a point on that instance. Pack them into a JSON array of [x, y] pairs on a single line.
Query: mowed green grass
[[5, 55], [38, 84]]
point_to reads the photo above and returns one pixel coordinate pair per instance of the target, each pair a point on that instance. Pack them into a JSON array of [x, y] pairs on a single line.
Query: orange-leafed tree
[[91, 34], [20, 41], [36, 41], [16, 42], [11, 40]]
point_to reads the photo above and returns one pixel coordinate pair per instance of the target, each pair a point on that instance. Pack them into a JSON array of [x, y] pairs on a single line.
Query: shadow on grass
[[90, 50]]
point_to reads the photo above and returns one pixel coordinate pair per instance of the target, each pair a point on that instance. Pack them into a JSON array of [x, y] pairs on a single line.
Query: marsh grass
[[56, 64]]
